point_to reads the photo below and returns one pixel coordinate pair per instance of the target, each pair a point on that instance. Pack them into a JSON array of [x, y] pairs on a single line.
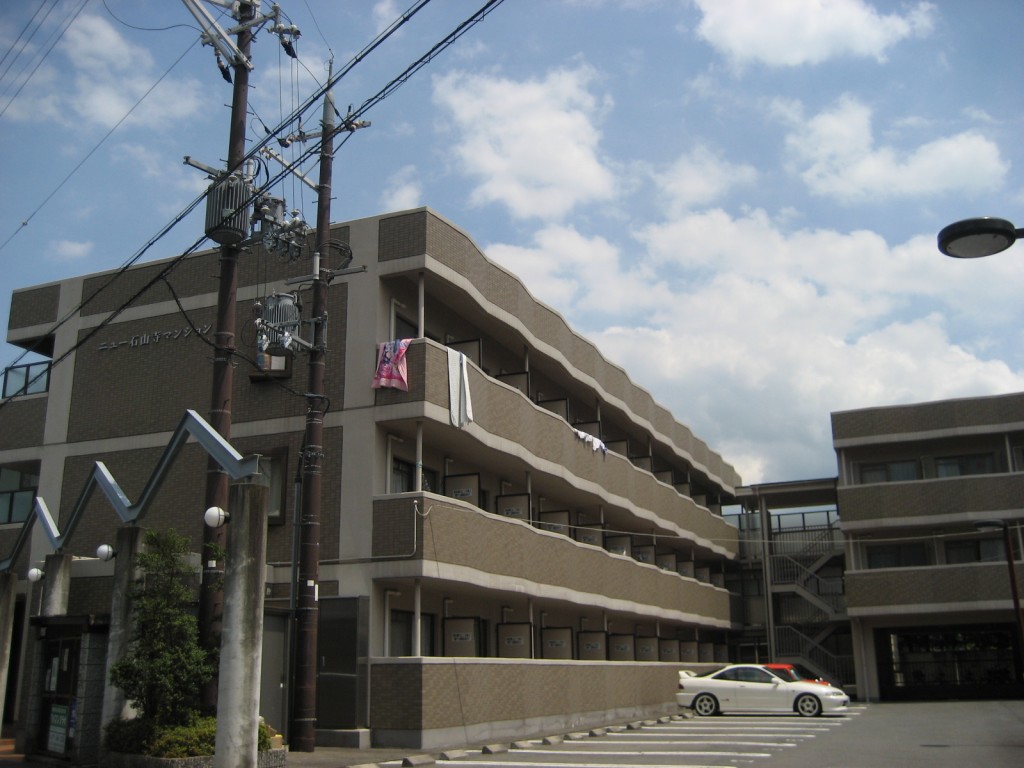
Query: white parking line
[[481, 764], [691, 742], [645, 753]]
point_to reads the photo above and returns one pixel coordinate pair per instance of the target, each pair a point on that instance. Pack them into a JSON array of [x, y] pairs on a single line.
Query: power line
[[91, 152], [53, 41], [383, 93]]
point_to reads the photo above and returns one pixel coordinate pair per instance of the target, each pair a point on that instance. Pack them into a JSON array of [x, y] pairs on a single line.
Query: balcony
[[924, 502], [468, 544], [512, 435], [939, 588]]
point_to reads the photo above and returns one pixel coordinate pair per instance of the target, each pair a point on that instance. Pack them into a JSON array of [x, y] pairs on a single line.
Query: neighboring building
[[928, 592], [572, 522]]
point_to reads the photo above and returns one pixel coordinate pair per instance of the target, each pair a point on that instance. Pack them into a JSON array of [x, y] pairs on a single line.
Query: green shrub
[[142, 736], [130, 736], [199, 738]]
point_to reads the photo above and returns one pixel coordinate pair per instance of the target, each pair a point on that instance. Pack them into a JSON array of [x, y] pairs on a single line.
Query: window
[[17, 495], [275, 466], [890, 471], [400, 637], [905, 555], [403, 477], [974, 551], [973, 464], [29, 379]]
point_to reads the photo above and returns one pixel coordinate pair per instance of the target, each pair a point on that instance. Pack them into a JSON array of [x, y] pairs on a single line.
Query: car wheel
[[808, 705], [705, 704]]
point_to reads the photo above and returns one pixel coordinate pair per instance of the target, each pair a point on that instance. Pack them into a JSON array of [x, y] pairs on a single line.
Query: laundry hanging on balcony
[[594, 443], [460, 405], [391, 365]]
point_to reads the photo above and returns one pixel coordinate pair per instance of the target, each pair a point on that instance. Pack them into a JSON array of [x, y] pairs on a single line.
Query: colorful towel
[[391, 366]]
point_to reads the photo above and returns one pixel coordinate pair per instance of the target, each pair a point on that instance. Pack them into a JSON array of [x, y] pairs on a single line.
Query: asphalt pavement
[[881, 735]]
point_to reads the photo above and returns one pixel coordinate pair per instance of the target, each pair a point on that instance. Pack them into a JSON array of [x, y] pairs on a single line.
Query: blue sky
[[736, 200]]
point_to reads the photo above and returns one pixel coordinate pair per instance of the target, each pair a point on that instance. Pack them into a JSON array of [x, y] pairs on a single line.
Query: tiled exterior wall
[[23, 422], [34, 306], [435, 696], [922, 498], [194, 275], [460, 535], [157, 380], [946, 415], [893, 587]]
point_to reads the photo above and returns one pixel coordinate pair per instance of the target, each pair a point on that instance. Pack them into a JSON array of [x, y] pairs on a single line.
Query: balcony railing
[[450, 532], [928, 499], [504, 412]]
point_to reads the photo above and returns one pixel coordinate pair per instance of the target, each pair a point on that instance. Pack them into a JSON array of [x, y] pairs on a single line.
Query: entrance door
[[274, 672], [60, 706]]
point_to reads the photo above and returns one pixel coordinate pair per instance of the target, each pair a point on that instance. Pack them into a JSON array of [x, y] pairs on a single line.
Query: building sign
[[57, 731], [140, 340]]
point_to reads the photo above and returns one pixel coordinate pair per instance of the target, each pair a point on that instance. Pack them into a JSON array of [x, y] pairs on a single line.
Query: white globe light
[[215, 517], [35, 574], [105, 552]]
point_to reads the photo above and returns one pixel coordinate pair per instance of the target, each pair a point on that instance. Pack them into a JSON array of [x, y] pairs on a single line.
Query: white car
[[752, 688]]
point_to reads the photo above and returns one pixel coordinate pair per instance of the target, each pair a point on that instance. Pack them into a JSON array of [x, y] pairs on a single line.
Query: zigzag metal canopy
[[191, 425]]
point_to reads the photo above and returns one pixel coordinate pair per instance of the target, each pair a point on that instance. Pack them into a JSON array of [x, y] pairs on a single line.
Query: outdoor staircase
[[796, 561]]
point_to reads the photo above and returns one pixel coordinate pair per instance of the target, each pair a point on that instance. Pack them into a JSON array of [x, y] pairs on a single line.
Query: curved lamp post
[[992, 525], [974, 238]]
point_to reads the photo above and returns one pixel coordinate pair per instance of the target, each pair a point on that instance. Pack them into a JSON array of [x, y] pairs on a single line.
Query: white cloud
[[836, 156], [757, 334], [532, 145], [798, 32], [111, 75], [585, 275], [403, 190], [70, 250], [700, 177], [384, 12]]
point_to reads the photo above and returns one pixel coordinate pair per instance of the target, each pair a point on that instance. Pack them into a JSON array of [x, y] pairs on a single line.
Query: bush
[[130, 736], [142, 736], [199, 738]]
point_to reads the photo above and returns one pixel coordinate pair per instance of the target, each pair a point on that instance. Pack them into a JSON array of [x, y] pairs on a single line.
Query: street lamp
[[974, 238], [989, 525]]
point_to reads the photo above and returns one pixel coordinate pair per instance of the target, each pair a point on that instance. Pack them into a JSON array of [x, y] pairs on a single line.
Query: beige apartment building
[[923, 492], [516, 539]]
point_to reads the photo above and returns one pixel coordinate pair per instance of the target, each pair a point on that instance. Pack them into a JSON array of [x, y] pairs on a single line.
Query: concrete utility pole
[[302, 735], [211, 598]]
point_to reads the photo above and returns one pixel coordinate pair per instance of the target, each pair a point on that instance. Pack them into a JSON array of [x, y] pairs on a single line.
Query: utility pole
[[302, 735], [211, 598], [227, 223]]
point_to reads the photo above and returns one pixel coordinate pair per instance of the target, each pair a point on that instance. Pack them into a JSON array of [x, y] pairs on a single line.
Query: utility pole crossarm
[[213, 34]]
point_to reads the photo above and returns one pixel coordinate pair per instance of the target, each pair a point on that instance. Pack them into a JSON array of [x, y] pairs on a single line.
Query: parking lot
[[897, 735]]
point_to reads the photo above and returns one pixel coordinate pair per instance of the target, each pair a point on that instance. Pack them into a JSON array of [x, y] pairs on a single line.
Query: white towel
[[460, 404]]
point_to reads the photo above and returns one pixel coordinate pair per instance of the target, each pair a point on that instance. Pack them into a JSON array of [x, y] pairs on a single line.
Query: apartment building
[[514, 537], [923, 492]]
